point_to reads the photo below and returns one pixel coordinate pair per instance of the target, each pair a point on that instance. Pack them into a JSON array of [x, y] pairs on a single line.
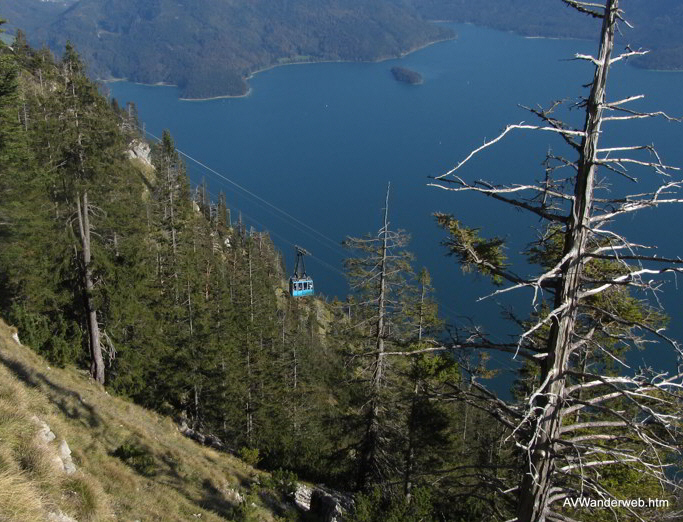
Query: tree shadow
[[75, 408], [214, 500]]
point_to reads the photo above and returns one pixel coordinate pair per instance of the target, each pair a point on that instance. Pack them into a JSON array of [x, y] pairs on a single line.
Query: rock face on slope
[[325, 504], [62, 452], [140, 150]]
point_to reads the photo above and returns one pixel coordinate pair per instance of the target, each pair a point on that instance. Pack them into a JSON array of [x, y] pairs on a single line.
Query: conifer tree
[[426, 424], [379, 279], [579, 426]]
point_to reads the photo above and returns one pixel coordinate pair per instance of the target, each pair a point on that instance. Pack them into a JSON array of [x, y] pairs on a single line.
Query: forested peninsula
[[210, 49]]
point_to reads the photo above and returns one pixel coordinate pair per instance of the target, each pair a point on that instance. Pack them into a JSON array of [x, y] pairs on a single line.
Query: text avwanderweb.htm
[[585, 502]]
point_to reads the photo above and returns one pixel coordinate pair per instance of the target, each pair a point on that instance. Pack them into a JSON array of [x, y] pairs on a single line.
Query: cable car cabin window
[[300, 284]]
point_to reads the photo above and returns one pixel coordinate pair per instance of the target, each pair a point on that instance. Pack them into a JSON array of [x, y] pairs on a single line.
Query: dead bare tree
[[378, 276], [578, 421], [85, 257]]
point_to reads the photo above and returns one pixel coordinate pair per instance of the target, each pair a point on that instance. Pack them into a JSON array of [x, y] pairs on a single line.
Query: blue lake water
[[321, 142]]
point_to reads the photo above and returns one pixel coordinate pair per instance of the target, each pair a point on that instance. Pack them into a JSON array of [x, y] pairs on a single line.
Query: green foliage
[[284, 482], [137, 457], [249, 455], [473, 252], [192, 326], [372, 507]]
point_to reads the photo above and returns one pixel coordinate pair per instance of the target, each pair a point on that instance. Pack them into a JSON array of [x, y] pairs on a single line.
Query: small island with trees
[[401, 74]]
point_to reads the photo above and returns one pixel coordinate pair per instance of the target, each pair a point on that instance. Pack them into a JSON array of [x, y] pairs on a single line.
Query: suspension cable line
[[283, 239], [332, 242]]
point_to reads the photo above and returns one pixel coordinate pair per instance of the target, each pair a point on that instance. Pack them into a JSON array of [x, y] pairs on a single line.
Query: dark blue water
[[321, 141]]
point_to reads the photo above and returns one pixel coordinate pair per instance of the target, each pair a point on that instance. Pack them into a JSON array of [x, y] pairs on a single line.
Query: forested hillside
[[656, 23], [122, 269], [110, 265], [132, 273], [209, 48], [127, 271]]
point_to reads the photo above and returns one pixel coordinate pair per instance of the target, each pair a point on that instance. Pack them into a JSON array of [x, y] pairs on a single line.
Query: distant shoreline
[[221, 97], [312, 62], [117, 80], [252, 74]]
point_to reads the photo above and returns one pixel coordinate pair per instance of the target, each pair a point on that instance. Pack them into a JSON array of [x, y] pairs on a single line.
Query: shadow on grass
[[214, 500], [57, 394]]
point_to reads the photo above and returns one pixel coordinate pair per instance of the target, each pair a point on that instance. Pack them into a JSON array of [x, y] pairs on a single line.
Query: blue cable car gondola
[[300, 284]]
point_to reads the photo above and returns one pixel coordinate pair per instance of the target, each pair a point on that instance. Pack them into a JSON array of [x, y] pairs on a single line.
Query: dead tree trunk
[[412, 415], [96, 361], [250, 406], [369, 465], [586, 314], [536, 485]]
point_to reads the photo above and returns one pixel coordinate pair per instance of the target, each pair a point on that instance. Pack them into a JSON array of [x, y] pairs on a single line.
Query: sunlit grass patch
[[132, 464], [19, 501]]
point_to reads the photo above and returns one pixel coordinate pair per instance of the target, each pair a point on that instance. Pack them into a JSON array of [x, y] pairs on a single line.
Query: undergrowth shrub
[[249, 455], [283, 482], [137, 457]]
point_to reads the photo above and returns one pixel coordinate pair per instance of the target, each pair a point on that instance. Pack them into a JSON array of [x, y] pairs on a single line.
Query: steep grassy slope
[[131, 464]]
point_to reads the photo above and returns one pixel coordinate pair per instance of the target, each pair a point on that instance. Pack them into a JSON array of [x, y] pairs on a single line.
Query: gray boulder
[[64, 453], [330, 505]]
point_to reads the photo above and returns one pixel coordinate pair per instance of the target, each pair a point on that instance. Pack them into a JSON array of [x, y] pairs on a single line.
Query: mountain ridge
[[209, 49]]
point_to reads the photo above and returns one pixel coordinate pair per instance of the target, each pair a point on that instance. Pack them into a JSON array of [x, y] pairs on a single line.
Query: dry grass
[[157, 475], [19, 499]]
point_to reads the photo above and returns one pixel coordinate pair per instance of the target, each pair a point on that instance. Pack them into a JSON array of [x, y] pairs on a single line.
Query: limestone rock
[[140, 150], [302, 496], [329, 505], [44, 433], [233, 496], [60, 517], [207, 440], [64, 453]]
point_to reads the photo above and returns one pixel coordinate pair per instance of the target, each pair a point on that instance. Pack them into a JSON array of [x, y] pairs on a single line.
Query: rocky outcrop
[[302, 497], [206, 440], [140, 150], [62, 458], [64, 453], [325, 504], [44, 432]]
